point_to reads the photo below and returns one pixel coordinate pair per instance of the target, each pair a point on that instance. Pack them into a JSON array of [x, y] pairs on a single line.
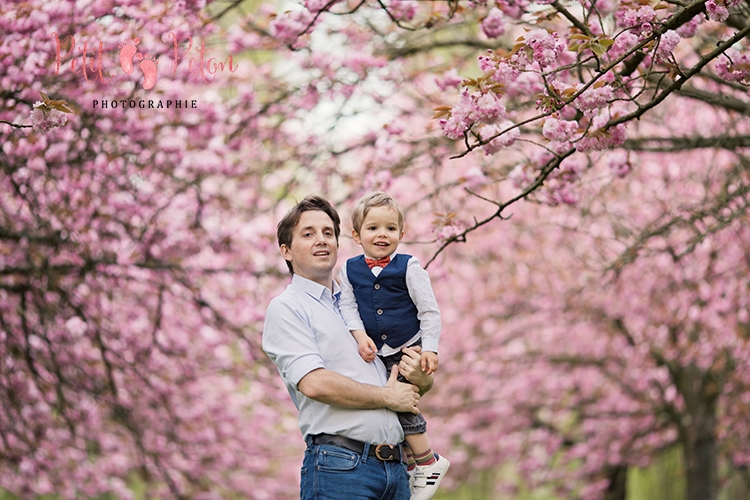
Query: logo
[[91, 60], [148, 64]]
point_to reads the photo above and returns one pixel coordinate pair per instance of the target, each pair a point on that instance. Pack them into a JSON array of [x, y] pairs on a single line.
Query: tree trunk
[[618, 481], [698, 434]]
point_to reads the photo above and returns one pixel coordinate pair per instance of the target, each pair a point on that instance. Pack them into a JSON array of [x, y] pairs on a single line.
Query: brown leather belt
[[384, 452]]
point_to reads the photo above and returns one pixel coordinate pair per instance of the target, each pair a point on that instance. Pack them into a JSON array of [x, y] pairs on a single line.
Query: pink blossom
[[488, 107], [450, 78], [667, 44], [403, 9], [546, 46], [499, 142], [453, 128], [43, 120], [717, 10], [597, 138], [689, 29], [474, 178], [315, 6], [505, 73], [559, 130], [733, 66], [618, 162], [288, 26], [494, 24], [636, 18], [593, 99], [445, 232], [623, 44]]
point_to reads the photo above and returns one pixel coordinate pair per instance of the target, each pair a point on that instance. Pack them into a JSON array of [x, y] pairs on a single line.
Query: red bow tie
[[377, 262]]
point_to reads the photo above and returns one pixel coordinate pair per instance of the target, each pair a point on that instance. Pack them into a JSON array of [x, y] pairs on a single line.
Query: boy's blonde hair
[[370, 201]]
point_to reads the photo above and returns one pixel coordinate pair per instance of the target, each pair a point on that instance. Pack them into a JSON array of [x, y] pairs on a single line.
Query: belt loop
[[365, 452], [308, 440]]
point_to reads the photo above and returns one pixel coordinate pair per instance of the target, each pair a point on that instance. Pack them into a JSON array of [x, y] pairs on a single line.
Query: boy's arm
[[420, 291], [348, 303]]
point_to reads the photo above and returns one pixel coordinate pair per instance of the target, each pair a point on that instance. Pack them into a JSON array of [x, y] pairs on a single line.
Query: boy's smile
[[380, 233]]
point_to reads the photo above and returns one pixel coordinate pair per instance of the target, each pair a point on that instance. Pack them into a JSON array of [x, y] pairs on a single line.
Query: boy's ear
[[355, 236]]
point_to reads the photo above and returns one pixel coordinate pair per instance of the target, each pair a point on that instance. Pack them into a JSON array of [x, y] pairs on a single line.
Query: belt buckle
[[391, 454]]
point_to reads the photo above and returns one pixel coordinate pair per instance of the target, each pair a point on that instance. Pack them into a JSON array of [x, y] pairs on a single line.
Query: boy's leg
[[429, 468], [428, 473], [419, 443]]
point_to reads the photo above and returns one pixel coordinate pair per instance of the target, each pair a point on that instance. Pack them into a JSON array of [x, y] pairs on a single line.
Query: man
[[347, 406]]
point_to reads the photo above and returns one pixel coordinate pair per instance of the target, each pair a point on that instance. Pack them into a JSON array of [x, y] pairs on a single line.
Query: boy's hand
[[367, 348], [429, 362]]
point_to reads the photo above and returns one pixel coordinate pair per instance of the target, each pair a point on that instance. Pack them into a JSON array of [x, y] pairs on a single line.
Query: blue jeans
[[333, 473]]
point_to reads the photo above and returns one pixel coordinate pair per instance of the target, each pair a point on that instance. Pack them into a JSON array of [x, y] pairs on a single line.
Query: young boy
[[387, 303]]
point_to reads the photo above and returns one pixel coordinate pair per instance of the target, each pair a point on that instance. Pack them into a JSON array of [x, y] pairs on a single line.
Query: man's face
[[314, 249]]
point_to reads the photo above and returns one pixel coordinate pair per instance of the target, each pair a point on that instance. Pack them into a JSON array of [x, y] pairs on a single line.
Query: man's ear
[[356, 237], [285, 252]]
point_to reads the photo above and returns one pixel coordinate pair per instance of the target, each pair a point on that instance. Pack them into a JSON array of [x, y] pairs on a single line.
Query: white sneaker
[[427, 479]]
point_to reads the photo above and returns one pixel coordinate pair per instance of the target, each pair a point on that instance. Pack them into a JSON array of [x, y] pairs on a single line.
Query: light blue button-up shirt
[[304, 331]]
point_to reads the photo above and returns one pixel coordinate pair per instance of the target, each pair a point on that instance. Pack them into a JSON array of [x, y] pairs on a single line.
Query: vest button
[[379, 311], [384, 337], [377, 286]]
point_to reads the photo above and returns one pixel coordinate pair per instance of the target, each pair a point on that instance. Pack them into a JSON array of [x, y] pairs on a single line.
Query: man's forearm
[[335, 389]]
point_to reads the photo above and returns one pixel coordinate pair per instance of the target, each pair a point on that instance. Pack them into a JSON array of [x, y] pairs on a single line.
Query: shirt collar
[[312, 288], [392, 256]]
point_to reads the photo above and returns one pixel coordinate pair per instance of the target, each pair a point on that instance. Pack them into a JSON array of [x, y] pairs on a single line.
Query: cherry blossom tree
[[574, 178]]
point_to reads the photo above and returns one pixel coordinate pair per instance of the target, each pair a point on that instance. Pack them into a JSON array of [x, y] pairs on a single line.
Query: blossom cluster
[[43, 119], [288, 26], [541, 47], [733, 66], [493, 25], [473, 107]]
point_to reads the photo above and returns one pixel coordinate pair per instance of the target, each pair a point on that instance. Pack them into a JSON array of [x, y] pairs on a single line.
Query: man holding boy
[[347, 406]]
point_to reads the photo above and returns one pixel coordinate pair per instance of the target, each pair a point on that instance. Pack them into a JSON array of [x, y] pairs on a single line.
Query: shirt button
[[377, 286], [384, 336], [379, 311]]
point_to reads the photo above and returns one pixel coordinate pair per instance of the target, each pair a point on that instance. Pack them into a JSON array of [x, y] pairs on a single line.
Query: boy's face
[[379, 234]]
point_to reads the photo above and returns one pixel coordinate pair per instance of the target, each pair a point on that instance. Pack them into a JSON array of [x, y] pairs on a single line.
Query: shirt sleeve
[[289, 341], [420, 291], [348, 303]]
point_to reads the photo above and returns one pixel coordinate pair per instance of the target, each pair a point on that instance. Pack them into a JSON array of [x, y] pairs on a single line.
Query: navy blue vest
[[384, 303]]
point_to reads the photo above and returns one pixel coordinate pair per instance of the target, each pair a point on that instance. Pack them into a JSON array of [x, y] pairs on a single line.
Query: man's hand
[[405, 397], [366, 346], [429, 362], [411, 368]]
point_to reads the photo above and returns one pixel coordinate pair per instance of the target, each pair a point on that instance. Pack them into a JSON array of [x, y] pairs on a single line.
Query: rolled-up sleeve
[[289, 341]]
